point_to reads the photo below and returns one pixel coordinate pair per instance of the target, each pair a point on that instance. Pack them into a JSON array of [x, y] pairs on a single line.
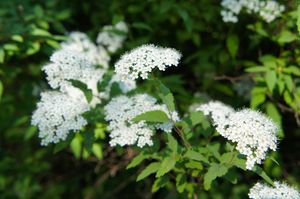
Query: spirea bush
[[187, 100]]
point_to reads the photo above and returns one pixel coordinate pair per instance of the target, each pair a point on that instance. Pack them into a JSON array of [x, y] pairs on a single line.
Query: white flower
[[142, 60], [122, 109], [253, 133], [267, 9], [112, 37], [279, 191], [71, 65], [57, 115], [80, 42]]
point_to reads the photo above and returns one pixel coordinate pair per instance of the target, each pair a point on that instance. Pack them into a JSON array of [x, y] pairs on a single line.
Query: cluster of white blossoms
[[267, 9], [113, 36], [252, 132], [122, 109], [57, 114], [71, 65], [279, 191], [140, 61], [80, 42]]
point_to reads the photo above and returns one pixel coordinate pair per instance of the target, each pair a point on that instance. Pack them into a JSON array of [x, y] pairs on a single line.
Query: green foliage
[[260, 60]]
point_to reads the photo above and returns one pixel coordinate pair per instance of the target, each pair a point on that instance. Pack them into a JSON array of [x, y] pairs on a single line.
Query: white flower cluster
[[57, 114], [122, 109], [267, 9], [279, 191], [80, 42], [253, 133], [71, 65], [142, 60], [112, 37]]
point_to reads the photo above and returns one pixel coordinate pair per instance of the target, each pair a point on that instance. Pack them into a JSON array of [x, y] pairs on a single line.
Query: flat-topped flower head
[[57, 115], [252, 132], [112, 36], [71, 65], [80, 42], [279, 191], [122, 109], [268, 10], [140, 61]]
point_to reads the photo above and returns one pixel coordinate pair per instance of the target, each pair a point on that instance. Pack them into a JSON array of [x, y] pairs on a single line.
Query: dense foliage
[[246, 59]]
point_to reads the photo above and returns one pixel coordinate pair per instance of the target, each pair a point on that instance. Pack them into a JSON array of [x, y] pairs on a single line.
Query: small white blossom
[[112, 37], [122, 109], [57, 115], [80, 42], [71, 65], [142, 60], [279, 191], [268, 10], [253, 133]]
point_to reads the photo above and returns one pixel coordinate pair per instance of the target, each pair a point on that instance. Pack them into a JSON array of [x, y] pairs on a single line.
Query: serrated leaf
[[166, 96], [150, 169], [232, 43], [159, 183], [214, 171], [271, 78], [166, 166], [193, 155], [152, 116], [83, 87], [136, 160]]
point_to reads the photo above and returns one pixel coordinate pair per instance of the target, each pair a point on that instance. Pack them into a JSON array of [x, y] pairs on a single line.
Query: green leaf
[[257, 99], [193, 155], [172, 143], [263, 174], [150, 169], [76, 145], [271, 78], [141, 26], [1, 90], [298, 18], [194, 165], [292, 70], [166, 96], [83, 87], [136, 160], [180, 182], [214, 171], [159, 183], [289, 82], [152, 116], [166, 165], [286, 37], [232, 43], [97, 150], [2, 55], [256, 69]]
